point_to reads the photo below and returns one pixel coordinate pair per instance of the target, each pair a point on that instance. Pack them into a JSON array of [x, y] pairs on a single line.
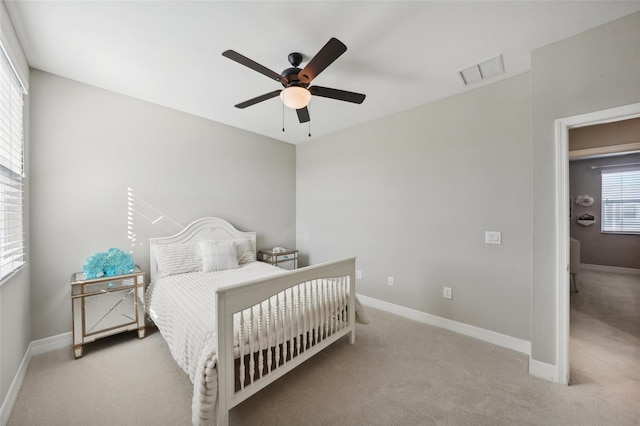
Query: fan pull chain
[[309, 118], [283, 117]]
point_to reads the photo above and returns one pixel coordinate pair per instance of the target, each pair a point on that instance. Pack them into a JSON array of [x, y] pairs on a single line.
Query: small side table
[[105, 306], [276, 258]]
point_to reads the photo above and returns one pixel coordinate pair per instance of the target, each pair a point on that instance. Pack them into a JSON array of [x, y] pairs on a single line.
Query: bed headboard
[[205, 229]]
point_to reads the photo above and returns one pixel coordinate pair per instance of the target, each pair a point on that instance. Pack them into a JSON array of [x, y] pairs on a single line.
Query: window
[[621, 202], [12, 241]]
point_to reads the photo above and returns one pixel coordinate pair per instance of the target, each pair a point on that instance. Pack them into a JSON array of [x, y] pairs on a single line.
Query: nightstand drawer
[[106, 285]]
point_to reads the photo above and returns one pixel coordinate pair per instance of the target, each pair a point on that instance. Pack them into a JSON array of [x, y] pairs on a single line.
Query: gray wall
[[597, 248], [104, 165], [592, 71], [411, 196]]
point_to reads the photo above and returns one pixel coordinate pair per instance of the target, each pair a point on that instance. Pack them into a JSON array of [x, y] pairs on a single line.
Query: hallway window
[[621, 202]]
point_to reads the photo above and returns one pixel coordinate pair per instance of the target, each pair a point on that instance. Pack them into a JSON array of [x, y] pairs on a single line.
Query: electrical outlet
[[446, 292], [358, 275], [390, 281]]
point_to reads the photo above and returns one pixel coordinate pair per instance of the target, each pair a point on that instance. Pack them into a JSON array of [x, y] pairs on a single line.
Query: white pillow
[[175, 259], [218, 255], [244, 249]]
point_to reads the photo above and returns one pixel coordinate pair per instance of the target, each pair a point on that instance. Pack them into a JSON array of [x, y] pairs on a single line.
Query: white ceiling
[[400, 54]]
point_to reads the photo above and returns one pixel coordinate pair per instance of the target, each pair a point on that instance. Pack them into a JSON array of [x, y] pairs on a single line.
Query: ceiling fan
[[297, 92]]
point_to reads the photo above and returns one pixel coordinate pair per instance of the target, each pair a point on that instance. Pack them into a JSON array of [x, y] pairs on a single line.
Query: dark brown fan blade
[[325, 57], [243, 60], [258, 99], [341, 95], [303, 115]]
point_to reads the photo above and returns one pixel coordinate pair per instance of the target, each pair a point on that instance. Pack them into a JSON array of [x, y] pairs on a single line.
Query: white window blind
[[12, 241], [621, 201]]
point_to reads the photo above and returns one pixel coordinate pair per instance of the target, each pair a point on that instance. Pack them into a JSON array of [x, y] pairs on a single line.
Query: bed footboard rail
[[269, 326]]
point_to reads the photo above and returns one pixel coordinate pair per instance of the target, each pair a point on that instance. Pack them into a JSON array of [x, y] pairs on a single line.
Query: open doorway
[[563, 225], [604, 182]]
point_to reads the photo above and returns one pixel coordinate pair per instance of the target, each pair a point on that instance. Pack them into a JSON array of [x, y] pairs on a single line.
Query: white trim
[[562, 127], [36, 347], [611, 269], [52, 343], [543, 370], [12, 394], [509, 342], [562, 254]]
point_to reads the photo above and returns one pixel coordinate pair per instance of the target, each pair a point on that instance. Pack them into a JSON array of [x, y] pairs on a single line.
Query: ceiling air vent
[[488, 69]]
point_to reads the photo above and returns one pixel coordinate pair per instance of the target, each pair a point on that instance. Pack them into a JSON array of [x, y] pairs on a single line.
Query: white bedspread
[[183, 308]]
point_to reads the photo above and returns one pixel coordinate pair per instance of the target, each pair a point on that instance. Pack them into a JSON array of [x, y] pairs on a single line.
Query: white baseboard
[[612, 269], [543, 370], [36, 347], [51, 343], [12, 394], [509, 342]]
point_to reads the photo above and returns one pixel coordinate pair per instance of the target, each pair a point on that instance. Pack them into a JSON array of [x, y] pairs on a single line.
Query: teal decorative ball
[[113, 262]]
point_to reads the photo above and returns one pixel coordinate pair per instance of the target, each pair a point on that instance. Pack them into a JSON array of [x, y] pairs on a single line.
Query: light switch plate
[[446, 292], [493, 237]]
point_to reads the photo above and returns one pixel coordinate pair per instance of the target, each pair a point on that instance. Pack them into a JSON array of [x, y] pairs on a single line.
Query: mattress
[[183, 308]]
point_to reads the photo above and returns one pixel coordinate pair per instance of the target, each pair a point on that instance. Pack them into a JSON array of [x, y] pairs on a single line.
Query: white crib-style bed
[[235, 330]]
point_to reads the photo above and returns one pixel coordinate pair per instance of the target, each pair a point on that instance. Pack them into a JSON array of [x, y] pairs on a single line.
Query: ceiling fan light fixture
[[295, 97]]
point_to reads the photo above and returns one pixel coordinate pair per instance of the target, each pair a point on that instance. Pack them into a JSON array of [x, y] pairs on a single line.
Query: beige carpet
[[605, 334], [399, 372]]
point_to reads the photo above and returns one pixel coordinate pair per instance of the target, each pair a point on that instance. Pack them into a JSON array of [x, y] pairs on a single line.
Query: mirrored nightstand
[[283, 258], [105, 306]]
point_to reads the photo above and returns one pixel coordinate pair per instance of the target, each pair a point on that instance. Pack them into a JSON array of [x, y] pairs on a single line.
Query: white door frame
[[562, 223]]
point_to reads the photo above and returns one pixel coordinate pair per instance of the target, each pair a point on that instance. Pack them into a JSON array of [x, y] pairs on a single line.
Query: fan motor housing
[[291, 75]]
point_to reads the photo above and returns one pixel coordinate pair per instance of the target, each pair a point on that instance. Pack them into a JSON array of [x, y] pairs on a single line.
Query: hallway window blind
[[621, 202], [12, 240]]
